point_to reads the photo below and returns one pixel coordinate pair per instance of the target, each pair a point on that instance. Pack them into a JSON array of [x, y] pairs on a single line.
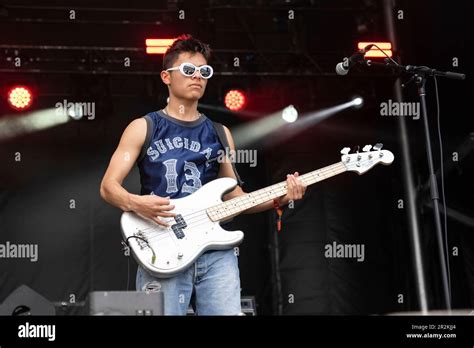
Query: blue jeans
[[214, 277]]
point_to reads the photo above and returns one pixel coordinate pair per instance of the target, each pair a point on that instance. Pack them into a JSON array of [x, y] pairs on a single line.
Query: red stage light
[[156, 50], [158, 46], [20, 97], [374, 52], [235, 100]]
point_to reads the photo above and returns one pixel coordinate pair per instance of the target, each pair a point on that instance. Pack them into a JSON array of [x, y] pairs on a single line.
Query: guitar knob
[[378, 146], [180, 255], [345, 150]]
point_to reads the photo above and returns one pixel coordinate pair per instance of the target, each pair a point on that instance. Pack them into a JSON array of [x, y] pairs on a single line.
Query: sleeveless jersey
[[178, 157]]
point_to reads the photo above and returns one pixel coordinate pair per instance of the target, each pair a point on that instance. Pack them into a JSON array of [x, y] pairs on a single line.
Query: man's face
[[184, 87]]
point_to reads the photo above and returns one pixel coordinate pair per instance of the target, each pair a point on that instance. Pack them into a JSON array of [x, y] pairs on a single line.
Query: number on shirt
[[171, 176], [194, 176]]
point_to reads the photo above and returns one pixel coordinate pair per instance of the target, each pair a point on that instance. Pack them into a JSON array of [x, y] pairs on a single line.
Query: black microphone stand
[[419, 76]]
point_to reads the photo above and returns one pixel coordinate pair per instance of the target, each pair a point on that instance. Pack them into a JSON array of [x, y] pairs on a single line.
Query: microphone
[[343, 68]]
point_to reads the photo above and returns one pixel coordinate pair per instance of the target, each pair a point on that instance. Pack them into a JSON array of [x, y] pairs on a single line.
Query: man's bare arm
[[122, 161], [120, 165]]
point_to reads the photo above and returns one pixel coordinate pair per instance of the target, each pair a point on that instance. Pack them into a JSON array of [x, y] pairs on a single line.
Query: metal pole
[[434, 194], [410, 192]]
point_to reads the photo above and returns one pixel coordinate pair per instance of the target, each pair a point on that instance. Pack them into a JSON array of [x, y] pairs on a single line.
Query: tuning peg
[[367, 148], [345, 150], [378, 146]]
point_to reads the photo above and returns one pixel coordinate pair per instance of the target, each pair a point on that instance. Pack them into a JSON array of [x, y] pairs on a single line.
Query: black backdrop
[[80, 250]]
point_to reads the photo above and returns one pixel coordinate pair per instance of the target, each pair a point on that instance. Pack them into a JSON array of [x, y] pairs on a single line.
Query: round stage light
[[20, 97], [357, 101], [290, 114], [235, 100]]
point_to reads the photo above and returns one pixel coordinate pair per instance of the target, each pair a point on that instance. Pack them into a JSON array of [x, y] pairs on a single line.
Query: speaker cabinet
[[125, 303], [25, 301]]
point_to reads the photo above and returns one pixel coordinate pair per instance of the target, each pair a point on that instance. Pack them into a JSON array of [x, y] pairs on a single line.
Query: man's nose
[[197, 74]]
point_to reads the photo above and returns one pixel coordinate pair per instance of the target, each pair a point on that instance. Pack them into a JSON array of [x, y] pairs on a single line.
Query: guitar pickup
[[180, 221], [178, 231]]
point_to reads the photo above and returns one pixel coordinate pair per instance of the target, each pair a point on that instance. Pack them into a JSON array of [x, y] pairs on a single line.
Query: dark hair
[[185, 43]]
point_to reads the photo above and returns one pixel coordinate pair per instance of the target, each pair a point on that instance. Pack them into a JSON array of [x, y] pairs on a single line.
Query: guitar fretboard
[[225, 210]]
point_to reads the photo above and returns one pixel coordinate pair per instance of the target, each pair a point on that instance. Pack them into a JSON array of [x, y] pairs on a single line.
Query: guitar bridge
[[142, 240]]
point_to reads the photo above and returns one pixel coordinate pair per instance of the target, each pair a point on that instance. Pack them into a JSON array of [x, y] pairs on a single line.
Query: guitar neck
[[235, 206]]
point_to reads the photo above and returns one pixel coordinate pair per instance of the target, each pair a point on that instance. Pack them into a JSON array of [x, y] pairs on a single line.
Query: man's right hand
[[151, 207]]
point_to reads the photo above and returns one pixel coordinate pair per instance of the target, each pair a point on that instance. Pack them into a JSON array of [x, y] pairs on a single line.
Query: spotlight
[[158, 46], [28, 122], [374, 52], [76, 113], [357, 102], [235, 100], [20, 97], [289, 114]]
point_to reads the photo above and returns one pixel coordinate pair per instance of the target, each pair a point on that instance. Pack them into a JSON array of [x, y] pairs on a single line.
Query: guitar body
[[189, 235]]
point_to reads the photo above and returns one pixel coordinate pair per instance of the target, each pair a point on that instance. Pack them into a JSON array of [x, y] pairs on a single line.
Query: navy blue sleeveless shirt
[[178, 157]]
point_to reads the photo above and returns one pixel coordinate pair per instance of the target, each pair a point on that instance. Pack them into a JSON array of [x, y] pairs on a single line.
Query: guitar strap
[[225, 143]]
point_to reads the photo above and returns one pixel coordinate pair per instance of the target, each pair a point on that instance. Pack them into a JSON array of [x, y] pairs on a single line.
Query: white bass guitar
[[164, 252]]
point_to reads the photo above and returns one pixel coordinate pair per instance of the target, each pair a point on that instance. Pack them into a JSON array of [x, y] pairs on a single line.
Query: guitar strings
[[191, 221], [189, 217], [154, 237], [201, 218]]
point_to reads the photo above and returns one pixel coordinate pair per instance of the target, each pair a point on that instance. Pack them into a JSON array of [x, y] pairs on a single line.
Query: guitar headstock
[[361, 162]]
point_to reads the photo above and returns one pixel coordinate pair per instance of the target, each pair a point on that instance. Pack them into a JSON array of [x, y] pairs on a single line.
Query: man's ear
[[165, 77]]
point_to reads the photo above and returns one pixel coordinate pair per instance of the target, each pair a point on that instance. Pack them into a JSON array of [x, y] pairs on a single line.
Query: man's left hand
[[295, 189]]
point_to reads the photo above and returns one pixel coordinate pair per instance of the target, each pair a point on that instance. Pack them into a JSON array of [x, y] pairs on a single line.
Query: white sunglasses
[[188, 70]]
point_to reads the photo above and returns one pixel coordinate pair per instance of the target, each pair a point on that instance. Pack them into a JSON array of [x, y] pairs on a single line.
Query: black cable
[[153, 258], [381, 50], [442, 184], [442, 174], [125, 246], [128, 273]]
